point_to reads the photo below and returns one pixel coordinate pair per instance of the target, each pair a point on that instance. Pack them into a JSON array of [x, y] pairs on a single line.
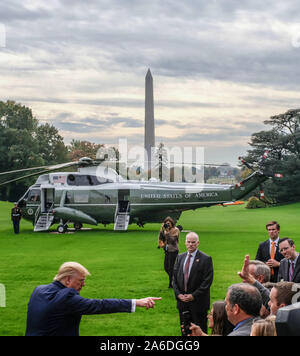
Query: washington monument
[[149, 119]]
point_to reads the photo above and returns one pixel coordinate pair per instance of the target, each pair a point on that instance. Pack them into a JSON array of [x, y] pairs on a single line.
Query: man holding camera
[[193, 276]]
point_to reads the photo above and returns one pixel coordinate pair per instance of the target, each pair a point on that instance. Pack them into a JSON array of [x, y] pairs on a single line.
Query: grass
[[128, 264]]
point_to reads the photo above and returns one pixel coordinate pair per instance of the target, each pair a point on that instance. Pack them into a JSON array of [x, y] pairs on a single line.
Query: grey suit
[[284, 271], [244, 329], [199, 282]]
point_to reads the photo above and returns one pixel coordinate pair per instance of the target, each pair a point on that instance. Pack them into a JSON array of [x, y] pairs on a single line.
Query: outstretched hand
[[147, 303], [196, 330], [245, 274]]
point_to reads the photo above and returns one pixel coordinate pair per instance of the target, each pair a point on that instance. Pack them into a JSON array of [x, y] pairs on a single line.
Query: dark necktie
[[291, 271], [186, 271]]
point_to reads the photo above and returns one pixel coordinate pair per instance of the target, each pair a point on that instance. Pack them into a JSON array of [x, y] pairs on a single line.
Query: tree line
[[25, 143]]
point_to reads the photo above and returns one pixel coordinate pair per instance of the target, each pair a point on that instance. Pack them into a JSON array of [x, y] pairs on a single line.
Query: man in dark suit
[[268, 251], [16, 215], [193, 276], [56, 309], [289, 269]]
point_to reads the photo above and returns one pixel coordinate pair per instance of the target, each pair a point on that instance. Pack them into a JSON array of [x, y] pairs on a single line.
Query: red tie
[[186, 271]]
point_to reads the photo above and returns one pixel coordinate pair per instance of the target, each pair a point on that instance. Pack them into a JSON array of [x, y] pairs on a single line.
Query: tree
[[19, 147], [78, 149], [161, 162], [25, 144], [51, 145], [283, 144]]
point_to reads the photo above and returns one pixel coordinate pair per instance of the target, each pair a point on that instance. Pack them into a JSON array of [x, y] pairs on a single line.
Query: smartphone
[[187, 319]]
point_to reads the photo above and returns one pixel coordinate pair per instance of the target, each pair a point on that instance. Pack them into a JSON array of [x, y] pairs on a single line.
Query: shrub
[[255, 203]]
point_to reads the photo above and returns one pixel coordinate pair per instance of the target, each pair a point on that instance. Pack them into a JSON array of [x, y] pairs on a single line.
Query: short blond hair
[[264, 327], [69, 269]]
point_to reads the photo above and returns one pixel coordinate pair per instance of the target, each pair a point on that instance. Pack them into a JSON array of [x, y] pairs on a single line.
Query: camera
[[166, 225], [187, 319], [288, 320]]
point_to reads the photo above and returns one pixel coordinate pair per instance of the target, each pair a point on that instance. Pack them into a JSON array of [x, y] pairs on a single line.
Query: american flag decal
[[59, 179]]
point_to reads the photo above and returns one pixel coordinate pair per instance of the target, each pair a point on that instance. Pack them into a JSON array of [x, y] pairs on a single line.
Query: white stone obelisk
[[149, 120]]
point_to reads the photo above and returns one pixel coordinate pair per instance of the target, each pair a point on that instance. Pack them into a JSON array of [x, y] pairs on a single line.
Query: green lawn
[[128, 264]]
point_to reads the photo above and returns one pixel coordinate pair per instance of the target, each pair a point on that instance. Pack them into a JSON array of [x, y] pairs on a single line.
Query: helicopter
[[96, 194]]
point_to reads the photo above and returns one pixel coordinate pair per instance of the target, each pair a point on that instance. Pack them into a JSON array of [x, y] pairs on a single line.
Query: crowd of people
[[268, 283]]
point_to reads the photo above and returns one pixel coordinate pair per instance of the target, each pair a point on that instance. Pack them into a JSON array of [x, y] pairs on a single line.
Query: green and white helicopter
[[97, 194]]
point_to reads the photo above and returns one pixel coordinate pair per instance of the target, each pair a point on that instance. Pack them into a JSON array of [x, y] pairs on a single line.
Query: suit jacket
[[244, 329], [285, 268], [54, 310], [263, 254], [16, 214], [199, 282]]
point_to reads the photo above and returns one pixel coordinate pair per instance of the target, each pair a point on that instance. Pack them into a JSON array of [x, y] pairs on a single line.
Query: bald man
[[193, 276]]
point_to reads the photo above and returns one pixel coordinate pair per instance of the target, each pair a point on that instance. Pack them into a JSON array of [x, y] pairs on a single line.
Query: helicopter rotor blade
[[22, 170], [261, 192], [49, 169], [24, 177], [278, 175]]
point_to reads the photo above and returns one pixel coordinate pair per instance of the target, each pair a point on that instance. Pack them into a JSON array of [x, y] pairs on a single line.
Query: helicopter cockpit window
[[34, 195], [86, 180]]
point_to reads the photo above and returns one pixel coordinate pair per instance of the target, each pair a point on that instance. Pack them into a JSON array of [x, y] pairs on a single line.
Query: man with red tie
[[192, 278], [268, 251]]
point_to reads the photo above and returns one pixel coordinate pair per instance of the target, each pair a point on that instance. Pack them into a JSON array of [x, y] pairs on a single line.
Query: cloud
[[67, 121], [220, 67]]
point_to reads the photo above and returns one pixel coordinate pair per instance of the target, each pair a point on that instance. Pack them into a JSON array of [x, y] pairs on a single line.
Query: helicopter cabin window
[[34, 196], [86, 180], [81, 196]]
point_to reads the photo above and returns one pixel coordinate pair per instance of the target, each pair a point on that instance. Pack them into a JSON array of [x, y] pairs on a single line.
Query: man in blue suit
[[56, 309]]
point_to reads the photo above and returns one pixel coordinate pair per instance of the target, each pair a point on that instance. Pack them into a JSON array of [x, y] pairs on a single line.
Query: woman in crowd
[[264, 327], [168, 240], [217, 322]]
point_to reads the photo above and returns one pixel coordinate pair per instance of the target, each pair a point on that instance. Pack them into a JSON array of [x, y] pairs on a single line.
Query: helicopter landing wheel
[[62, 228], [77, 226]]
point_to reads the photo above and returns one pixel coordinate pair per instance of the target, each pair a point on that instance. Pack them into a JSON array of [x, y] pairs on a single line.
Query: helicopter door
[[47, 199], [122, 214], [123, 200]]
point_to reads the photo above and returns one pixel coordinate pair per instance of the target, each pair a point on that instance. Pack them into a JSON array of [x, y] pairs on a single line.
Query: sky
[[220, 68]]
